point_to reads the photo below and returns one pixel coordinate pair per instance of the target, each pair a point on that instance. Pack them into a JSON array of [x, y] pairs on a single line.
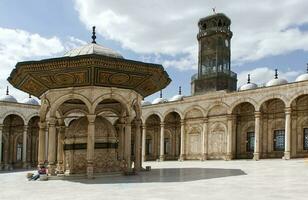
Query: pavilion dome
[[8, 98], [30, 101], [276, 80], [93, 48], [248, 85], [145, 103]]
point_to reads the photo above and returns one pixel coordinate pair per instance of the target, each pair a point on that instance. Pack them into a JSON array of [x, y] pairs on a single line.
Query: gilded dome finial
[[248, 79], [7, 90], [93, 35], [180, 90], [161, 94]]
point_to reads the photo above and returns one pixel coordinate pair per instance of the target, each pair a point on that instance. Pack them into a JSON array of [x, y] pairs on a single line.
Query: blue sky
[[269, 36]]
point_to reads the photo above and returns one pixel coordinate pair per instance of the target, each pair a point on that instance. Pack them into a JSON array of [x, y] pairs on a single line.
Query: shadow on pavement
[[165, 175]]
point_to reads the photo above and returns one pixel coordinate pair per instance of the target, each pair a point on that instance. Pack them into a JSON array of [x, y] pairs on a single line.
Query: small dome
[[145, 103], [159, 100], [8, 98], [276, 80], [248, 85], [93, 49], [176, 97], [30, 101], [303, 77]]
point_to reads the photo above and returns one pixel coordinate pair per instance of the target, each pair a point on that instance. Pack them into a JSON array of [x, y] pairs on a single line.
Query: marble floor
[[237, 179]]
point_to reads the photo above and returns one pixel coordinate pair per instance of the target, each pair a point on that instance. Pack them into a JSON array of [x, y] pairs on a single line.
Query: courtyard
[[236, 179]]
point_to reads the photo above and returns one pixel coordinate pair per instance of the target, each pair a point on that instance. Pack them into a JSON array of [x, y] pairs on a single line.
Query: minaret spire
[[180, 90], [7, 90], [276, 73], [161, 94], [93, 35], [248, 79]]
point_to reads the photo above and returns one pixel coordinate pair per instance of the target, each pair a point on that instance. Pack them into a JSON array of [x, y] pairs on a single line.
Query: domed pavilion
[[91, 106]]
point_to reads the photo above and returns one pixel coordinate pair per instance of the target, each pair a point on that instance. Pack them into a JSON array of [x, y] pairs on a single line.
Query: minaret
[[214, 70]]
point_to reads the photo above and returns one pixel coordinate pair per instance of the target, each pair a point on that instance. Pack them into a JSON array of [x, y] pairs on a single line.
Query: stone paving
[[238, 179]]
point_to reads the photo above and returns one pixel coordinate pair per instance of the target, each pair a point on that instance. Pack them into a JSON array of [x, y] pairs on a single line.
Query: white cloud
[[262, 75], [19, 45], [261, 28]]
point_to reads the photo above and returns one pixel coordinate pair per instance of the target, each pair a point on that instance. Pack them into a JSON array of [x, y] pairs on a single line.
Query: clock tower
[[214, 70]]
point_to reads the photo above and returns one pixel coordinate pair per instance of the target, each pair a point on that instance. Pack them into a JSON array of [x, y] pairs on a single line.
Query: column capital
[[144, 126], [42, 125], [182, 122], [91, 118], [287, 110], [138, 122], [230, 117], [52, 121], [205, 120], [1, 127], [127, 120], [26, 128], [257, 114], [162, 124]]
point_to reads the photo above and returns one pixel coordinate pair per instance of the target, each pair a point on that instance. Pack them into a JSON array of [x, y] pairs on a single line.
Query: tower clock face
[[227, 43]]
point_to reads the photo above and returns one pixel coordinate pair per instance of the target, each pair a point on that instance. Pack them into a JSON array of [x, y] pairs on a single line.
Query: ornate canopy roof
[[36, 77]]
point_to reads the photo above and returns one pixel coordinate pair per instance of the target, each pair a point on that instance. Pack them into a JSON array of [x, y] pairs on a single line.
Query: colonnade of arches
[[18, 142], [273, 128]]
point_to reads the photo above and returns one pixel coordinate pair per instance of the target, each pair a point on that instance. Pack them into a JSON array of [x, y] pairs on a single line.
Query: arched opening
[[299, 135], [245, 130], [152, 144], [13, 128], [69, 142], [32, 141], [172, 140], [273, 128]]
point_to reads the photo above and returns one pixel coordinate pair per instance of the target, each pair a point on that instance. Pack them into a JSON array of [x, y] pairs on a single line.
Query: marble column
[[52, 146], [205, 139], [90, 145], [137, 164], [60, 150], [287, 151], [162, 140], [24, 147], [256, 153], [144, 136], [182, 151], [1, 129], [128, 142], [41, 147], [229, 137], [121, 141]]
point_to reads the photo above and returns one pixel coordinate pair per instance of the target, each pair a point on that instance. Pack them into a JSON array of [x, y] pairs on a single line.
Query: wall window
[[250, 142], [148, 146], [19, 152], [305, 138], [279, 140], [167, 146]]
